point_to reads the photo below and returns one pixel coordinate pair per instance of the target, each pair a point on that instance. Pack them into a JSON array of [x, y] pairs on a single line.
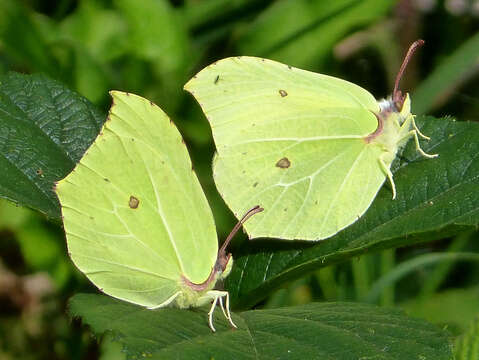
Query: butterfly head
[[389, 106], [226, 268]]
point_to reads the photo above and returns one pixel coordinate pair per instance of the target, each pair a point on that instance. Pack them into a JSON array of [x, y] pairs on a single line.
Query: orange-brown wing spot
[[283, 93], [283, 163], [134, 202]]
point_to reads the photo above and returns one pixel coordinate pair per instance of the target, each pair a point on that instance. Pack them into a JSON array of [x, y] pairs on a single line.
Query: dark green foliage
[[414, 251], [337, 331], [44, 130], [467, 346]]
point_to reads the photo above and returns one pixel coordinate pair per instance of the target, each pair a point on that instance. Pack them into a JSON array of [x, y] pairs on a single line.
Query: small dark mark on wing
[[289, 67], [107, 180], [283, 163], [283, 93], [244, 153], [134, 202], [183, 141], [285, 209], [217, 79], [127, 94], [151, 103], [255, 184]]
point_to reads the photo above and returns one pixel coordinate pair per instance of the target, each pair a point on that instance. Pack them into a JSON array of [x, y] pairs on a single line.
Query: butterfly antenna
[[397, 95], [240, 223]]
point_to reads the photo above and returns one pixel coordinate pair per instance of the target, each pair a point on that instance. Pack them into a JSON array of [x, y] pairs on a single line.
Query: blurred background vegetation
[[152, 47]]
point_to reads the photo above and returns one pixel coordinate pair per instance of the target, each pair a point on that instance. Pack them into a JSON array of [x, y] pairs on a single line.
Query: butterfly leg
[[217, 296], [210, 313], [388, 172], [222, 307], [228, 311], [418, 146], [417, 130]]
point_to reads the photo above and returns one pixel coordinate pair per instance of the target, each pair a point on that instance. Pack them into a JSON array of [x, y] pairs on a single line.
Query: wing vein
[[341, 187], [163, 218], [132, 268]]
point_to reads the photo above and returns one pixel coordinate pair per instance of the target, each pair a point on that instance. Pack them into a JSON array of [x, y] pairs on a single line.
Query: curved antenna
[[233, 232], [222, 259], [397, 95]]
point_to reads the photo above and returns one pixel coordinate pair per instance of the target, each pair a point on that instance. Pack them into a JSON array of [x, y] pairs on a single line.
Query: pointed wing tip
[[58, 185], [116, 93], [188, 85]]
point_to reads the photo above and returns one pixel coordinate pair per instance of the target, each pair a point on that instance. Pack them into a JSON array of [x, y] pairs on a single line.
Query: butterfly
[[137, 222], [313, 149]]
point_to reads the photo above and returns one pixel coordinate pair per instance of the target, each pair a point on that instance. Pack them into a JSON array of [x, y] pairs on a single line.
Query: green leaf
[[90, 77], [301, 33], [467, 346], [314, 331], [101, 31], [97, 37], [44, 130], [30, 230], [409, 266], [214, 13], [22, 39], [447, 77], [436, 198], [452, 308], [157, 34]]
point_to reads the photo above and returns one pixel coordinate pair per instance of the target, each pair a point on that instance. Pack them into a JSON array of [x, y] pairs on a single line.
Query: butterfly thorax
[[390, 134], [189, 297], [193, 294]]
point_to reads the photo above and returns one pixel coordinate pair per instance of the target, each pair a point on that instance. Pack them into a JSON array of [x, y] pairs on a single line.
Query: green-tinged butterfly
[[137, 222], [312, 149]]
